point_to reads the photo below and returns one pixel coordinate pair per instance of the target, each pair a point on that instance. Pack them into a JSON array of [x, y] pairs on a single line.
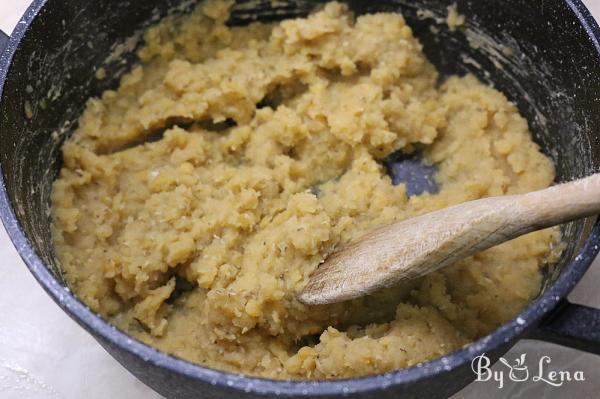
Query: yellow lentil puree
[[197, 198]]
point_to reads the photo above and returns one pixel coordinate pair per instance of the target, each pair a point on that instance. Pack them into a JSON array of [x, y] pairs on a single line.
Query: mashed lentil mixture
[[197, 198]]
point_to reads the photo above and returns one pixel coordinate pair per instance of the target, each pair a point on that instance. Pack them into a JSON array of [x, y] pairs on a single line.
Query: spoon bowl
[[421, 245]]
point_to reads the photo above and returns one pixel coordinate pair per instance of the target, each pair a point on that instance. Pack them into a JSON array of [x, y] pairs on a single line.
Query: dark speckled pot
[[553, 76]]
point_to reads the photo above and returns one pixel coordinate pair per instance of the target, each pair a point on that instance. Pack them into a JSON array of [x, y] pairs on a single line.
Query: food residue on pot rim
[[454, 19]]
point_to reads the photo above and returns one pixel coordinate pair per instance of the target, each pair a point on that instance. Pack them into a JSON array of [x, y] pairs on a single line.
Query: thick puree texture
[[197, 198]]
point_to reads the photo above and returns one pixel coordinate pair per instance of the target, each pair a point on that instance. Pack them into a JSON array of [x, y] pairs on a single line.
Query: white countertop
[[44, 354]]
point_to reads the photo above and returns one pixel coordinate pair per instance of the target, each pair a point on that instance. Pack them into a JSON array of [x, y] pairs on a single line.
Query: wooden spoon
[[421, 245]]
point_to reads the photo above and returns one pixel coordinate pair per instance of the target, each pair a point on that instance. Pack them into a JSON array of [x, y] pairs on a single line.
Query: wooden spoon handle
[[500, 219], [563, 203], [421, 245], [478, 225]]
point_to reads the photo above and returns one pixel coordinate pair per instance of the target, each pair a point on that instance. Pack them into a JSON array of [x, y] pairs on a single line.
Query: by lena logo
[[520, 372]]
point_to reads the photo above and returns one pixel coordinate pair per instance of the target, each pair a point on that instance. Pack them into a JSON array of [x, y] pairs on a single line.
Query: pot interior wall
[[538, 55]]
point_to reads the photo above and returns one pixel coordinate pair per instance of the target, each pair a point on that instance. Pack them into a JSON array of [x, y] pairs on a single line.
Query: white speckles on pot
[[250, 385]]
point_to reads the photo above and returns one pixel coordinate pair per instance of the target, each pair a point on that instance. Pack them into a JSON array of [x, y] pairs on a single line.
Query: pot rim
[[96, 326]]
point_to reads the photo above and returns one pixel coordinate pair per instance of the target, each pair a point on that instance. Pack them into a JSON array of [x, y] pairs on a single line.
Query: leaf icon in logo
[[519, 372]]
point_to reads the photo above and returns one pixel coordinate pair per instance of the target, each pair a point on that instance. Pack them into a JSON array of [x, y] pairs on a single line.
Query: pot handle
[[572, 325], [3, 41]]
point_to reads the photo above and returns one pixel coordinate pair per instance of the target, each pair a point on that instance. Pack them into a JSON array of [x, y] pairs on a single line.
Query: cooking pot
[[545, 56]]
